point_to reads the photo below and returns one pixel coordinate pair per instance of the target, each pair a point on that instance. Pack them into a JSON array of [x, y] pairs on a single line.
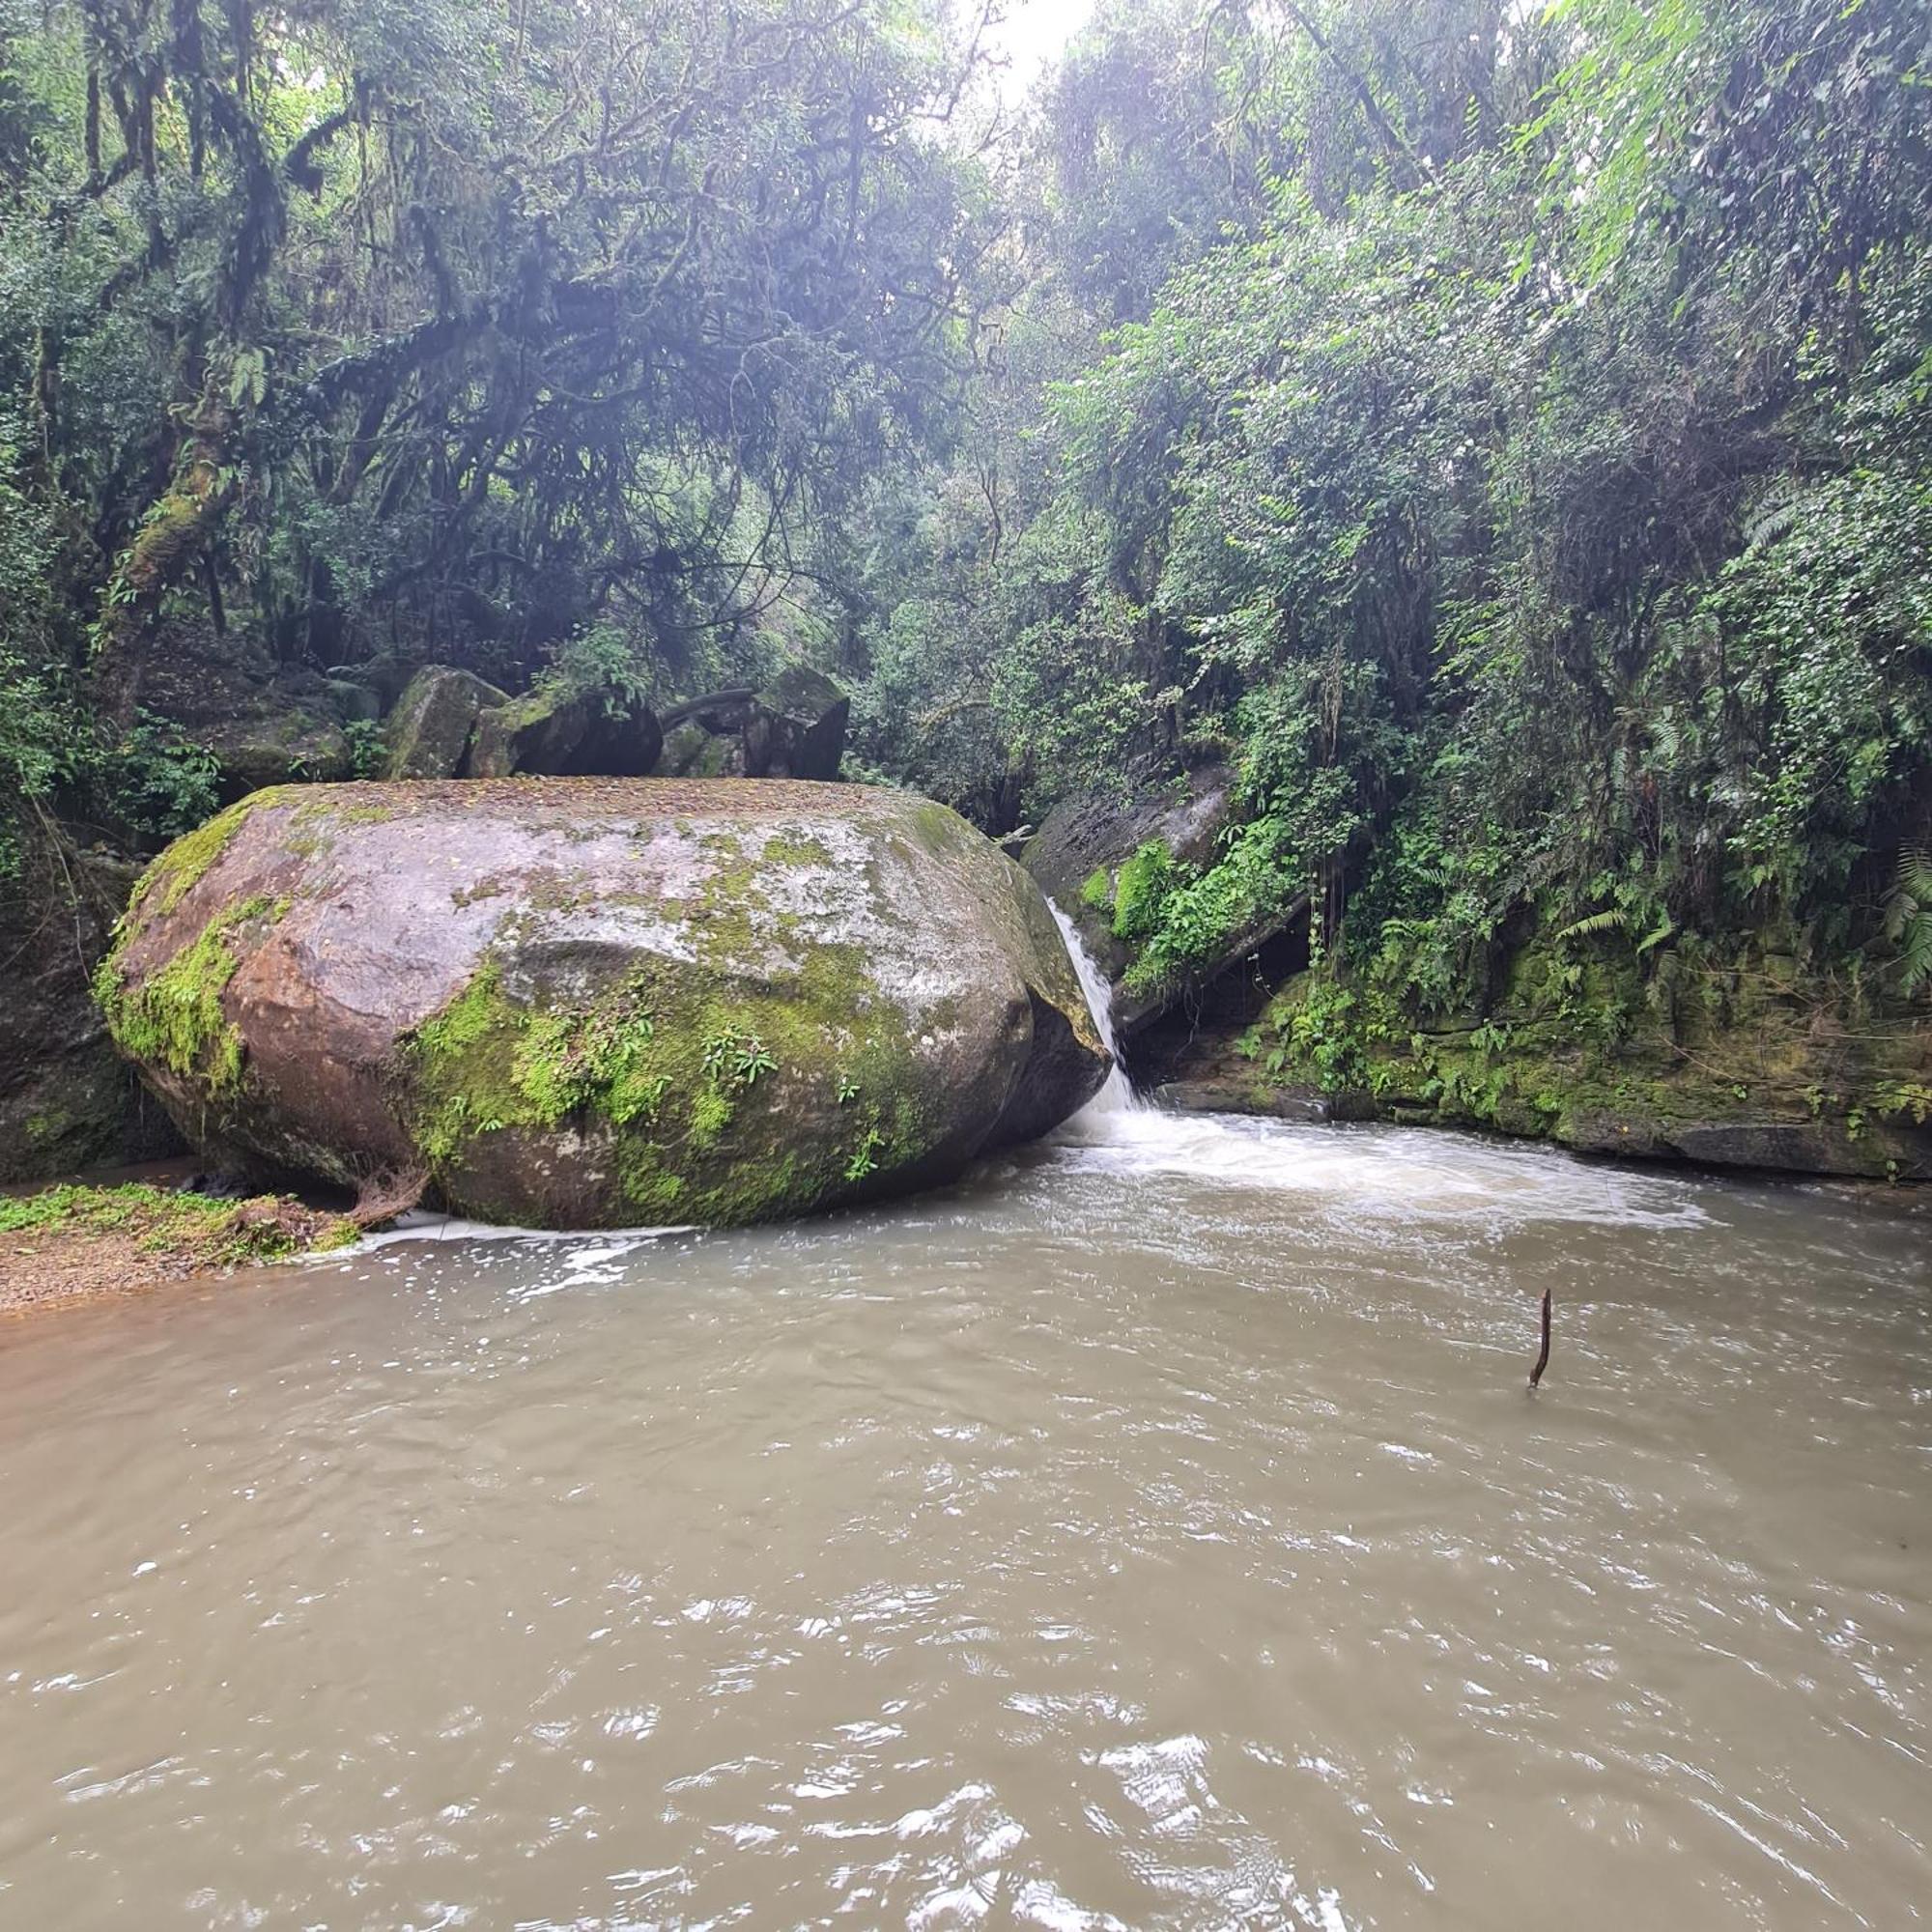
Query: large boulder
[[600, 1002], [427, 735], [796, 728], [553, 733], [792, 728], [691, 751]]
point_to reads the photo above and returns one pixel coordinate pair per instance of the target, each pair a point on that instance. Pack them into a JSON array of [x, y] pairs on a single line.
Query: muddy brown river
[[1154, 1531]]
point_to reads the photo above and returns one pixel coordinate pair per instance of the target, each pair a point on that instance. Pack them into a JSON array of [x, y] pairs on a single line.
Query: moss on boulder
[[262, 723], [692, 751], [427, 735], [794, 727], [604, 1003], [555, 732]]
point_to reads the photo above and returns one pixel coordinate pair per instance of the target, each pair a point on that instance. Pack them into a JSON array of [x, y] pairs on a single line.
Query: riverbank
[[1757, 1068], [84, 1243]]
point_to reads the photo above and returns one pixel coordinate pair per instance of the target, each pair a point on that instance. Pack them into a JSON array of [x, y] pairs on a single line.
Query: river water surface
[[1150, 1532]]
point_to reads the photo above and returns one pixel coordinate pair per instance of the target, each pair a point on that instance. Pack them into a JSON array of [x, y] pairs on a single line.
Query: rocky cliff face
[[601, 1001]]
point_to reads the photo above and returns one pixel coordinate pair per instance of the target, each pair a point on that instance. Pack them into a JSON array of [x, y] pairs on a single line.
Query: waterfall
[[1118, 1096]]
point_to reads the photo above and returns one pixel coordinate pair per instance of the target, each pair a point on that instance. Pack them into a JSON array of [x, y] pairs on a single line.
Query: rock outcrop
[[1087, 840], [427, 735], [792, 728], [1766, 1070], [448, 723], [263, 723], [556, 733], [797, 728], [601, 1001], [66, 1101]]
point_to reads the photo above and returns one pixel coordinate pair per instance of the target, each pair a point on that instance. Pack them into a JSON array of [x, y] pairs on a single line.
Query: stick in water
[[1543, 1358]]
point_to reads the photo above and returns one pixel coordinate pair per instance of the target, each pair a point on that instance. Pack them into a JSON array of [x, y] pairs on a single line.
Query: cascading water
[[1118, 1133], [1118, 1096]]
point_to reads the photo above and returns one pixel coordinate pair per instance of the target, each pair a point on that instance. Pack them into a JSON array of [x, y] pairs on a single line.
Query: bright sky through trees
[[1034, 33]]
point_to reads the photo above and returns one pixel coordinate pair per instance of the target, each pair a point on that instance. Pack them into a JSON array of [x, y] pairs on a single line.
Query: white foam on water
[[1399, 1172], [421, 1224], [1396, 1174]]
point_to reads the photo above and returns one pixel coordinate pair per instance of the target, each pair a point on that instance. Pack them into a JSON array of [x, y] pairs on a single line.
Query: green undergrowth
[[1181, 920], [1140, 890], [1589, 1045], [190, 1229]]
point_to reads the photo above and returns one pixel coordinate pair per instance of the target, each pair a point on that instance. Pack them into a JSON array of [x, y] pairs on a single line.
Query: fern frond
[[1609, 921], [1907, 917], [1775, 513], [1915, 874], [1914, 955]]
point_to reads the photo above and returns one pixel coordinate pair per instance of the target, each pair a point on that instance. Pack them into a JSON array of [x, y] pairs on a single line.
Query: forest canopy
[[1503, 433]]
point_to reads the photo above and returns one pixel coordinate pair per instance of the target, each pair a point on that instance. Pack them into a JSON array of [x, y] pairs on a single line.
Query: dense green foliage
[[451, 331], [1505, 435], [1530, 488]]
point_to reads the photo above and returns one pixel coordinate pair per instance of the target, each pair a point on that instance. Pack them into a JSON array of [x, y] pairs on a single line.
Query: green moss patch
[[175, 873], [1140, 890], [189, 1228], [173, 1017], [713, 1098], [788, 849]]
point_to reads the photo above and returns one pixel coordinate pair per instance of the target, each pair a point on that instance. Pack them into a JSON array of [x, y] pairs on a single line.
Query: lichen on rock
[[604, 1003]]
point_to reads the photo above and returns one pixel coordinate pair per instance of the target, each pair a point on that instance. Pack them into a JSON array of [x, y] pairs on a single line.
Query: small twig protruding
[[1543, 1356]]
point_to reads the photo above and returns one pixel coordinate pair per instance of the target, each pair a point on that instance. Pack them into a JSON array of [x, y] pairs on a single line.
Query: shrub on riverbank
[[184, 1233]]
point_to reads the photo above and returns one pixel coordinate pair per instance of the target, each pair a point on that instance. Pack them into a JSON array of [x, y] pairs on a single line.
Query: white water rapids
[[1345, 1171]]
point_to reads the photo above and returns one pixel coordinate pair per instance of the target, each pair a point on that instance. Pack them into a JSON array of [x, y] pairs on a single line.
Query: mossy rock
[[1103, 857], [559, 734], [428, 734], [793, 728], [691, 751], [68, 1101], [263, 723], [1759, 1067], [603, 1003], [797, 727]]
